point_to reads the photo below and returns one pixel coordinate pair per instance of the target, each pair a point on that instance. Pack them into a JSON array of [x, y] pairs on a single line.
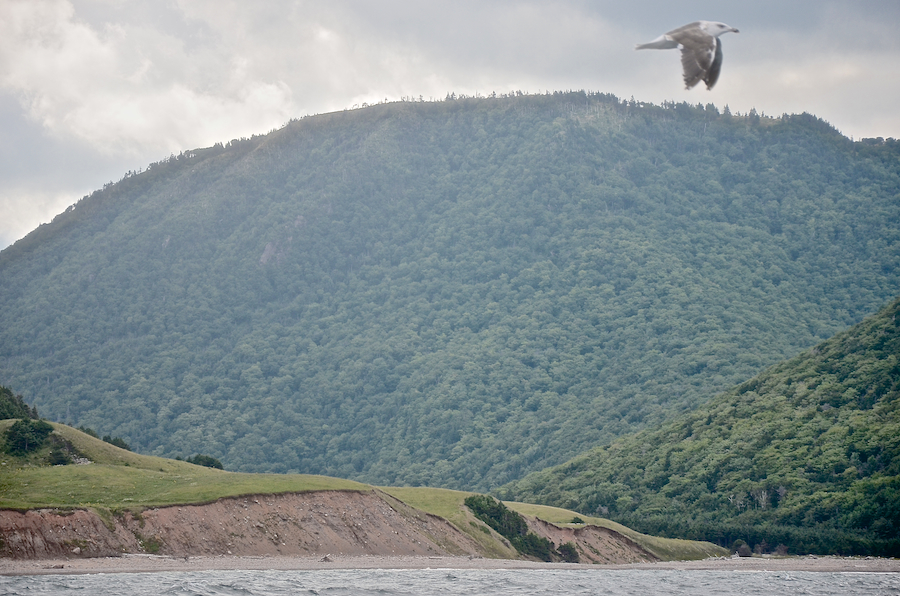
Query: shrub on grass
[[205, 460], [27, 436]]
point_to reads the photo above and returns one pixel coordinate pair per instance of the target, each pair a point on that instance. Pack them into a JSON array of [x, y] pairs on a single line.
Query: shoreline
[[160, 564]]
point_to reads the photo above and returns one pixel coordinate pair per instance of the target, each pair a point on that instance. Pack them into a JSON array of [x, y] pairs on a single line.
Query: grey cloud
[[120, 83]]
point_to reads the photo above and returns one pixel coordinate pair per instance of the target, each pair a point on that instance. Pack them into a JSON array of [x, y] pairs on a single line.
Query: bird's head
[[716, 29]]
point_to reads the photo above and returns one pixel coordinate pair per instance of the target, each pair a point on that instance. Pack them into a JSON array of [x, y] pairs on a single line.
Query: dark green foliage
[[741, 548], [205, 460], [805, 456], [117, 441], [568, 552], [505, 521], [35, 439], [530, 544], [62, 452], [512, 526], [89, 431], [13, 406], [449, 294], [59, 457], [26, 436]]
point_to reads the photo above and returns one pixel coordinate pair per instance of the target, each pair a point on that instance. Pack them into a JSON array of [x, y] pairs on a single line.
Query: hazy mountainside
[[806, 454], [452, 293]]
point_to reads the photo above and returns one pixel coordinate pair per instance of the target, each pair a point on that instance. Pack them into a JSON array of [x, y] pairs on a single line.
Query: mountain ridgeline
[[806, 454], [452, 293]]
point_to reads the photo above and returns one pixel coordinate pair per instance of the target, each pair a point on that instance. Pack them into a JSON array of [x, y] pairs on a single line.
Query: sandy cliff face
[[594, 544], [348, 523], [298, 524], [288, 524], [48, 533]]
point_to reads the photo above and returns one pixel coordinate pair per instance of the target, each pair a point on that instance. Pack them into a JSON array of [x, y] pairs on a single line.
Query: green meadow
[[120, 479]]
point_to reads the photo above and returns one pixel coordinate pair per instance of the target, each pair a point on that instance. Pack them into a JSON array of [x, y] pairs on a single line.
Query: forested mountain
[[806, 454], [450, 293]]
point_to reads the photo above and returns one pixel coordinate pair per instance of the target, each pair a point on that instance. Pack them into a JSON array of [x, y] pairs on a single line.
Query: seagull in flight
[[701, 50]]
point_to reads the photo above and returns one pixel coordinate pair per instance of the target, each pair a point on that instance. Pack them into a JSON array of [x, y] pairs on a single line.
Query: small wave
[[457, 582]]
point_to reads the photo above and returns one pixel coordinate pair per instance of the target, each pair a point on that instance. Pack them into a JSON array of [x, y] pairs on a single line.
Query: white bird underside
[[701, 50]]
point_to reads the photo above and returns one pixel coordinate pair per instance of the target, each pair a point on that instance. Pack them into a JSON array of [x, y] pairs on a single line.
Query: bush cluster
[[512, 526], [26, 436]]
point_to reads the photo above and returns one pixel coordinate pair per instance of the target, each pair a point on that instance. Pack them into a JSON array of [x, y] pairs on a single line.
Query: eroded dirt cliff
[[593, 543], [295, 524]]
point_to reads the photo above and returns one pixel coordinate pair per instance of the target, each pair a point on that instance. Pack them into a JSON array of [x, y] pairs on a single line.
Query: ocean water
[[457, 582]]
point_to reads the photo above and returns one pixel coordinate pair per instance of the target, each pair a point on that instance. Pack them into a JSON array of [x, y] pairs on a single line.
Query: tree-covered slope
[[806, 454], [452, 293], [14, 406]]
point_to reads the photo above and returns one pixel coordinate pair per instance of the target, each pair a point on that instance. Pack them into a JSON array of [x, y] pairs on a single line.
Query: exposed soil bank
[[296, 525], [299, 524], [593, 543]]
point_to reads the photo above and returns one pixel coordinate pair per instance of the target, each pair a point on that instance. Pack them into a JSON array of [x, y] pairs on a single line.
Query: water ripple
[[458, 582]]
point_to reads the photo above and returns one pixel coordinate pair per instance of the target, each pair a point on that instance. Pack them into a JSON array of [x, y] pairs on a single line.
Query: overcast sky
[[90, 89]]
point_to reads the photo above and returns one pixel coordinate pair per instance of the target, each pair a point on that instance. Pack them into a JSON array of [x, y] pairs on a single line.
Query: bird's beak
[[735, 30]]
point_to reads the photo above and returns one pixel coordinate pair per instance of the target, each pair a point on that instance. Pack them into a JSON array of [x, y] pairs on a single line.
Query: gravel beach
[[154, 563]]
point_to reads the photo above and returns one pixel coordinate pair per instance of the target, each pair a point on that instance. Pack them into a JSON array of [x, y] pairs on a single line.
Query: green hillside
[[807, 454], [449, 294], [120, 479], [117, 480]]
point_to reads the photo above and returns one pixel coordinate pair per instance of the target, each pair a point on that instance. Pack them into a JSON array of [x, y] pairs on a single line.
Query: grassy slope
[[667, 549], [119, 479], [449, 504]]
